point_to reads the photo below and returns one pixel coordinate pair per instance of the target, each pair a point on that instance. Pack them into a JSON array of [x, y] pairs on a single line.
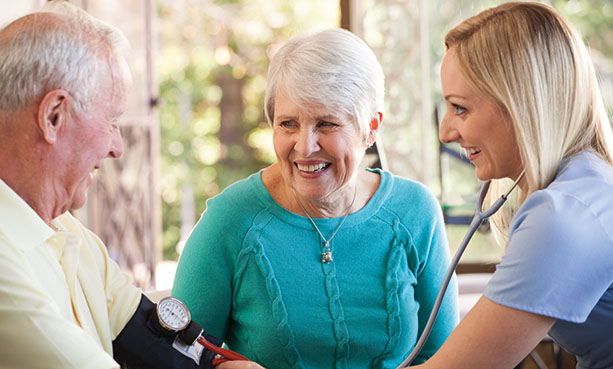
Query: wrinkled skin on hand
[[238, 365]]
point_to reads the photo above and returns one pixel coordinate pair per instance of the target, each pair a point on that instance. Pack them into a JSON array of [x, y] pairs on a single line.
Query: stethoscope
[[172, 317], [476, 221]]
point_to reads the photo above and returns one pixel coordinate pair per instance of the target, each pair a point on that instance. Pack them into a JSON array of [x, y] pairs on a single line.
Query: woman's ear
[[52, 114], [375, 125]]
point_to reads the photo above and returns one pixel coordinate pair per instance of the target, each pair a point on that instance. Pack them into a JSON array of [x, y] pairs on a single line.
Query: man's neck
[[28, 181]]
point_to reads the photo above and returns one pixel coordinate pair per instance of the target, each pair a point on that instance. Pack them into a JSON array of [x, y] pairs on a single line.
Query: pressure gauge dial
[[172, 314]]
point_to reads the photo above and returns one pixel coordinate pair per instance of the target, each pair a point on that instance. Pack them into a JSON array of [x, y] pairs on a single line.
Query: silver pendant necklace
[[326, 257]]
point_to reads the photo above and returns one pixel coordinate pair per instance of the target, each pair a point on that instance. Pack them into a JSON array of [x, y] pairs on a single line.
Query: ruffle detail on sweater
[[392, 285], [279, 312], [338, 316]]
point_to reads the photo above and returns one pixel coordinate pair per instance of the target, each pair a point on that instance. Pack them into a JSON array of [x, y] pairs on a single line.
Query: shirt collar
[[19, 222]]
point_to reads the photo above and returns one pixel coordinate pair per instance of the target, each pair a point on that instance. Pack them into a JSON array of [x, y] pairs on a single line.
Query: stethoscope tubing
[[224, 354], [475, 222]]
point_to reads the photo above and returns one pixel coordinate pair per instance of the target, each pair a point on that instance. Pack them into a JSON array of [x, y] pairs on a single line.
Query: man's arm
[[140, 344]]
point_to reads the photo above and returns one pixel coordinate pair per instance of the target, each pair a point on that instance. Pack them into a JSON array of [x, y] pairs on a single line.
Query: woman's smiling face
[[319, 150], [478, 125]]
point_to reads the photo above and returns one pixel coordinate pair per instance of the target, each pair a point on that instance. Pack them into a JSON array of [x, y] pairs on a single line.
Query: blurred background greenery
[[213, 62], [213, 59]]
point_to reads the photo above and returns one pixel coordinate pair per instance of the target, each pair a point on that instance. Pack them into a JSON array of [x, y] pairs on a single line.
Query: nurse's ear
[[375, 125]]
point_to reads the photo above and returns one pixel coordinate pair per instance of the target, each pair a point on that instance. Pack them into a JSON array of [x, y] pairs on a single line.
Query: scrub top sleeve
[[554, 261]]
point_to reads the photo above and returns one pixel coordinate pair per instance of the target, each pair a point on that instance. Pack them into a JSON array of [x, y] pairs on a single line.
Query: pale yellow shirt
[[62, 299]]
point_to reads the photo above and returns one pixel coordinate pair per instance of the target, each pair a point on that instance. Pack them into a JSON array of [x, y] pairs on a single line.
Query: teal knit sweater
[[251, 274]]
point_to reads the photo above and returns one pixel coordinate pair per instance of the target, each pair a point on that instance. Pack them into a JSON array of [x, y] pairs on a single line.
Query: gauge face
[[173, 314]]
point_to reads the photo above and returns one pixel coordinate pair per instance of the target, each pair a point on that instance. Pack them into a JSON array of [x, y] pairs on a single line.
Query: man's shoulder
[[69, 223]]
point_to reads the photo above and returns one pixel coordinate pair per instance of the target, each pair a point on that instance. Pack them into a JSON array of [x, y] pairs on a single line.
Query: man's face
[[93, 135]]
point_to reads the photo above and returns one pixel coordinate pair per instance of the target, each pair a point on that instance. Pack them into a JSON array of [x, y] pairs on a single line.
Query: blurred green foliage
[[594, 21], [213, 58]]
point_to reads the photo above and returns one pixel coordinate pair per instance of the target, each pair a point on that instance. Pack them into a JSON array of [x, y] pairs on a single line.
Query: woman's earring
[[371, 139]]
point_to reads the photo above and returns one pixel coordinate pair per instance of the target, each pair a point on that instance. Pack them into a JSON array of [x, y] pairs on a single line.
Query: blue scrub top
[[559, 261]]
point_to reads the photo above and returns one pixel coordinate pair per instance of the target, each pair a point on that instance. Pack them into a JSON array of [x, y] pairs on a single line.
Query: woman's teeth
[[472, 151], [312, 168]]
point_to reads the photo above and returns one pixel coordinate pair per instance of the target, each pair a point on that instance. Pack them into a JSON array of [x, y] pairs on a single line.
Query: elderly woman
[[522, 96], [314, 262]]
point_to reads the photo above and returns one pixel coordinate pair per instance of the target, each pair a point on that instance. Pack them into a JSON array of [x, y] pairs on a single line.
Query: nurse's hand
[[238, 364]]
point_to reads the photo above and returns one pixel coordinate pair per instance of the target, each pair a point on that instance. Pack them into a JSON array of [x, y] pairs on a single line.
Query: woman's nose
[[307, 142], [447, 132]]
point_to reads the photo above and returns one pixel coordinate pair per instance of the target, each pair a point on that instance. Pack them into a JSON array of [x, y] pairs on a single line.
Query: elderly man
[[63, 302]]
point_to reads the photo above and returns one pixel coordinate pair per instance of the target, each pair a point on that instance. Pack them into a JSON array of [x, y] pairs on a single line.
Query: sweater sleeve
[[204, 275], [430, 238]]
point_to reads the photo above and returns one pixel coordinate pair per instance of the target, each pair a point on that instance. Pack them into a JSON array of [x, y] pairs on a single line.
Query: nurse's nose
[[447, 132]]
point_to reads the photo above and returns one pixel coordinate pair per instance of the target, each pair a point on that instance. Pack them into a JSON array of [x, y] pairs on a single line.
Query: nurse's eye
[[458, 110]]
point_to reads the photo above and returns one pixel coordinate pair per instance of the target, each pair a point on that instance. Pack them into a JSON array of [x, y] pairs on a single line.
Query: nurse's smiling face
[[478, 125], [319, 150]]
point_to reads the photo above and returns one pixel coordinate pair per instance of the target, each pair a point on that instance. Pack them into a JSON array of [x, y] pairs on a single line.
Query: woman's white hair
[[534, 65], [332, 68], [59, 47]]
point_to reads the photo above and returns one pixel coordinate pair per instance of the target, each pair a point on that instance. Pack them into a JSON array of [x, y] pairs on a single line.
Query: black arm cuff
[[140, 345]]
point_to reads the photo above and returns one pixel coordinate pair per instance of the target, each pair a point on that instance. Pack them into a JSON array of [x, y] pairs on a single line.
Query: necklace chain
[[326, 257]]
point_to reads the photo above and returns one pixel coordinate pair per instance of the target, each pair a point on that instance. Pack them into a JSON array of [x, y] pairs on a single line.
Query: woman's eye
[[326, 124], [286, 124], [458, 110]]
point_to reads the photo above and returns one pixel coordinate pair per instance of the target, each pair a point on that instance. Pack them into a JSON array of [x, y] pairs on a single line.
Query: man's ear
[[52, 114]]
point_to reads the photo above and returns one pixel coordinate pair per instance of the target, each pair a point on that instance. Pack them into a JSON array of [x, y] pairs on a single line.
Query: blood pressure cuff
[[141, 346]]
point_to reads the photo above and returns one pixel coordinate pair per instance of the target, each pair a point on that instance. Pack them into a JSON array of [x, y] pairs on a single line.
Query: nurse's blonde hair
[[534, 65]]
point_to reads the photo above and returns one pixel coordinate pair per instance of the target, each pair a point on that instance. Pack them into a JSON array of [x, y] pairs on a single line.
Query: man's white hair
[[59, 47]]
